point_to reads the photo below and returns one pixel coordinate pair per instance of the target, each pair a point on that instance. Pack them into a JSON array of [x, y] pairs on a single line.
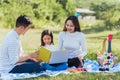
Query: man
[[12, 58]]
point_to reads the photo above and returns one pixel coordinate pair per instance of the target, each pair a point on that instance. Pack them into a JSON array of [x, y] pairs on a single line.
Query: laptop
[[58, 57]]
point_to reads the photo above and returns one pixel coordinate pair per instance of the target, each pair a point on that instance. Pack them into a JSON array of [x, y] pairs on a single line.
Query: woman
[[72, 39]]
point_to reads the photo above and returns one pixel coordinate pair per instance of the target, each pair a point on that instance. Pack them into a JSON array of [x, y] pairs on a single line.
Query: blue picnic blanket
[[92, 64]]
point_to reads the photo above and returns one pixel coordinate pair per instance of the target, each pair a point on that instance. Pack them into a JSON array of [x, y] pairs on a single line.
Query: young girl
[[47, 40], [72, 39]]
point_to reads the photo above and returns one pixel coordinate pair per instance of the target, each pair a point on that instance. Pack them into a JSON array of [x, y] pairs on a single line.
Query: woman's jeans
[[29, 66]]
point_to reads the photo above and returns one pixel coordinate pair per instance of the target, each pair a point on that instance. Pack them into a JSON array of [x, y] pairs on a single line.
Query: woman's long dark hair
[[75, 22], [46, 32]]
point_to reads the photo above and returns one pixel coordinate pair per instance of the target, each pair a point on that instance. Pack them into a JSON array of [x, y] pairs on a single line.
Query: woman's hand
[[80, 59]]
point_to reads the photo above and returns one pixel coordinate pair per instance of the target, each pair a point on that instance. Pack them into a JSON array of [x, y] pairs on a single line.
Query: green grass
[[31, 42], [81, 76]]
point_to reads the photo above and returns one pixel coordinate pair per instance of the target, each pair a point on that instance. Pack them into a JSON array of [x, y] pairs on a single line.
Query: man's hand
[[34, 54], [26, 56], [36, 60]]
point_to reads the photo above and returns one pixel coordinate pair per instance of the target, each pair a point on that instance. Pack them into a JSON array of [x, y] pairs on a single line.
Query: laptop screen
[[59, 57]]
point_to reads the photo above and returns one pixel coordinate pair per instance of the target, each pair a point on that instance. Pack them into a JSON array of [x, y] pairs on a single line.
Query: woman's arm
[[83, 46]]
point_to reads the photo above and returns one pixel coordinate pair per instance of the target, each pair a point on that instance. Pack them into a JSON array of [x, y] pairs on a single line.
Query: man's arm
[[14, 53], [26, 56]]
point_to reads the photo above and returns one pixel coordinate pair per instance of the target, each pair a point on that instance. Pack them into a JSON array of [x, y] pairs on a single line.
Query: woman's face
[[47, 40], [70, 26]]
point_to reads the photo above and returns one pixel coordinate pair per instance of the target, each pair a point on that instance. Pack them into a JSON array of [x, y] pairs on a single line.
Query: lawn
[[80, 76], [31, 42]]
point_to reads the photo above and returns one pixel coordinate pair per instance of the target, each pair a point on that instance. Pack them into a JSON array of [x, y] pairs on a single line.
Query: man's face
[[24, 30]]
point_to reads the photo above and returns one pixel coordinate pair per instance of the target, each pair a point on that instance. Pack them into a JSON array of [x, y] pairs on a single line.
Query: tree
[[107, 11], [70, 7], [11, 9], [42, 12]]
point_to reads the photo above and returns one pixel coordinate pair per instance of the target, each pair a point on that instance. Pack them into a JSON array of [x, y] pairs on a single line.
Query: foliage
[[86, 3], [108, 11], [70, 7], [42, 12], [52, 13]]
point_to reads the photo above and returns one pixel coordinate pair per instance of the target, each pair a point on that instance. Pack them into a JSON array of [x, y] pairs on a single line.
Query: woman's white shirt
[[74, 42]]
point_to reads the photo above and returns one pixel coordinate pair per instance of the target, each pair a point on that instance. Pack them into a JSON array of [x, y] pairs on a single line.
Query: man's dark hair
[[23, 20]]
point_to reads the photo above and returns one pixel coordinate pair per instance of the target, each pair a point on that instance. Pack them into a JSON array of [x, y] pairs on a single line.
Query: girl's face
[[70, 26], [47, 40]]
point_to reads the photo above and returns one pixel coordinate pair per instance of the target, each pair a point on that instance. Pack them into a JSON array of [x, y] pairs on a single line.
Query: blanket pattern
[[91, 64]]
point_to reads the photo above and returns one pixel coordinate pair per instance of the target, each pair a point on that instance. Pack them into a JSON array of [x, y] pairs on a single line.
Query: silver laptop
[[59, 57]]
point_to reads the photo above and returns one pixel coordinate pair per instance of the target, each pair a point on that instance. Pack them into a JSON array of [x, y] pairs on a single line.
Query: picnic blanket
[[94, 66], [91, 64]]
